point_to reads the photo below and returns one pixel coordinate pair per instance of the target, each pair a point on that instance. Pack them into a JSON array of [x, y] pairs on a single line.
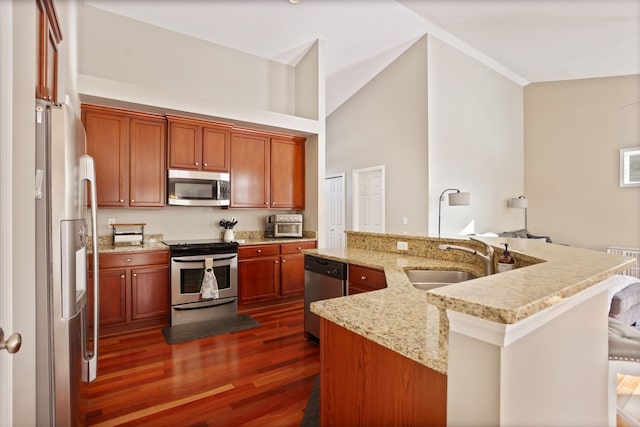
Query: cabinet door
[[107, 143], [147, 163], [287, 174], [249, 170], [185, 145], [363, 279], [292, 274], [113, 291], [258, 279], [215, 149], [150, 293], [292, 267], [49, 37]]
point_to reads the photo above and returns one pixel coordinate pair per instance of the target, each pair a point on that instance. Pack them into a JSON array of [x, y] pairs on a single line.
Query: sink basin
[[430, 279]]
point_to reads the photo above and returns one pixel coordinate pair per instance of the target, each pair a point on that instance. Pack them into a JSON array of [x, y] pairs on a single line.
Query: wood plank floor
[[258, 377], [629, 399]]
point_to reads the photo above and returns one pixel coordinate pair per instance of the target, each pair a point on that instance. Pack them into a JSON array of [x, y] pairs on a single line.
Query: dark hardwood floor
[[258, 377]]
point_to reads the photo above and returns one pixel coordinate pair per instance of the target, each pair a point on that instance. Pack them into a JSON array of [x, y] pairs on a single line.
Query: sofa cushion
[[624, 341], [625, 304]]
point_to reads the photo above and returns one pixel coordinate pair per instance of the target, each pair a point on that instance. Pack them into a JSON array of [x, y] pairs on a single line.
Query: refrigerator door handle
[[90, 176]]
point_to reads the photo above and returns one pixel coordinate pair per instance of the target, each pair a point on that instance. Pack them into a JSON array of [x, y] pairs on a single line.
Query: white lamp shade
[[459, 199], [519, 202]]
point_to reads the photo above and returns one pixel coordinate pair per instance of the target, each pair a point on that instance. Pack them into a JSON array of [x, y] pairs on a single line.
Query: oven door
[[187, 273], [288, 229]]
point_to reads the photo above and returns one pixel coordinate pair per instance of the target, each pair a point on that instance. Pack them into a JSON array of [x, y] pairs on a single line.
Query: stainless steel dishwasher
[[323, 279]]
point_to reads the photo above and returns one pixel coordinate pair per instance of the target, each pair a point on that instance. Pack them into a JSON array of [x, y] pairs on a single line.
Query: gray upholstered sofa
[[523, 234]]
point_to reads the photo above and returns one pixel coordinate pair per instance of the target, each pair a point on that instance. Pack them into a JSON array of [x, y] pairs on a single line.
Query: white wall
[[475, 143], [129, 51], [23, 210], [574, 131], [385, 123]]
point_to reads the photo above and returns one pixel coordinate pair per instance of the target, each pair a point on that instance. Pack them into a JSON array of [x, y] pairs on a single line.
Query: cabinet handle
[[135, 275], [205, 164], [363, 277], [259, 251], [276, 262], [133, 201], [122, 277], [283, 261], [121, 200], [273, 203], [128, 259], [299, 248], [196, 163]]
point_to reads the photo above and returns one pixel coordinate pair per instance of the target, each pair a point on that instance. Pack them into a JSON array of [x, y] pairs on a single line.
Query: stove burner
[[200, 247]]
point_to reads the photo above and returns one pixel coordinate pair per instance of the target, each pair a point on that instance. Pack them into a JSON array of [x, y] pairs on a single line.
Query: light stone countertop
[[154, 243], [413, 322]]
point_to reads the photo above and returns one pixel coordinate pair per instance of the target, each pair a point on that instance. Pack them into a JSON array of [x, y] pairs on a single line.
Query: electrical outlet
[[403, 246], [111, 221], [405, 220]]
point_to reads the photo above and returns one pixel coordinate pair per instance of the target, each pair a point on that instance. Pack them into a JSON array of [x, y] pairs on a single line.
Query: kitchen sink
[[430, 279]]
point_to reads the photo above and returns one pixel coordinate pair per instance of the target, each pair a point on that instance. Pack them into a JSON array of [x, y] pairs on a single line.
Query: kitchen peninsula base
[[364, 383]]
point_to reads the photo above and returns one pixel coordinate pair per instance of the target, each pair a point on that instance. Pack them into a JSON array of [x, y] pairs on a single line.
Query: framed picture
[[630, 167]]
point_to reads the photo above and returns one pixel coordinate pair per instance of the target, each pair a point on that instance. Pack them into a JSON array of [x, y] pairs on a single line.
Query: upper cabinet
[[287, 173], [198, 145], [49, 37], [129, 152], [249, 170], [267, 170]]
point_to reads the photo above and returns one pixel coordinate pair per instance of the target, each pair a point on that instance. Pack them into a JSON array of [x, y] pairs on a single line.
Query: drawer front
[[295, 248], [132, 258], [258, 250], [368, 277]]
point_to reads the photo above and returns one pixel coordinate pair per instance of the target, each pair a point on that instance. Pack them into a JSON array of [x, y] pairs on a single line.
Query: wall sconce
[[521, 202], [455, 199]]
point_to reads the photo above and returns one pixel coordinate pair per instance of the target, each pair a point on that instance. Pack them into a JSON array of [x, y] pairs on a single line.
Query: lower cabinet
[[271, 271], [364, 279], [134, 291]]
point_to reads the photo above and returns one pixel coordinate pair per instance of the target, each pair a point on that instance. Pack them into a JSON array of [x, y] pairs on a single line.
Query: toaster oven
[[289, 225]]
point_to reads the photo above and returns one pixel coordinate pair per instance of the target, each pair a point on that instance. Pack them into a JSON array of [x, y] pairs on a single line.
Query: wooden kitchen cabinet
[[134, 291], [363, 279], [292, 267], [258, 273], [129, 153], [249, 170], [287, 173], [198, 144], [49, 37], [271, 271], [267, 170]]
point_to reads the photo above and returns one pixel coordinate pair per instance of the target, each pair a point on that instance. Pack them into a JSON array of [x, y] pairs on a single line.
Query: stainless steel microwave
[[195, 188]]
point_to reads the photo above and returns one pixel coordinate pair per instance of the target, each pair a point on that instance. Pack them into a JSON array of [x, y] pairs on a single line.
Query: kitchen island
[[481, 336]]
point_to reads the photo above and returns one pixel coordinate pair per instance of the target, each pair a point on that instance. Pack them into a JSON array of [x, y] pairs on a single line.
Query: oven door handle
[[202, 260]]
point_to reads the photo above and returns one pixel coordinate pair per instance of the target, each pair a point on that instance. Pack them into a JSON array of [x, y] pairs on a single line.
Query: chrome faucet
[[488, 258]]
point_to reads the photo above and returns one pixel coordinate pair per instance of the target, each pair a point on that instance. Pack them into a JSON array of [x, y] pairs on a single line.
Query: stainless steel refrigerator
[[66, 339]]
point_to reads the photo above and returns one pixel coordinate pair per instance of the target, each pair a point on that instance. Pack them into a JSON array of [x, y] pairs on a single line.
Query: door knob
[[12, 344]]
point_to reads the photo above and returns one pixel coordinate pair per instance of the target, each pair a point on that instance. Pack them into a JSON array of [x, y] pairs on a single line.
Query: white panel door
[[369, 200], [334, 192]]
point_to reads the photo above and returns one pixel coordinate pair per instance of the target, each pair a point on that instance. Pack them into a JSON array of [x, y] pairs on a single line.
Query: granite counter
[[414, 322]]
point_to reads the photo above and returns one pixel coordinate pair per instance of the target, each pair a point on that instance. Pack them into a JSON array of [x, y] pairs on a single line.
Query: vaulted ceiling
[[525, 40]]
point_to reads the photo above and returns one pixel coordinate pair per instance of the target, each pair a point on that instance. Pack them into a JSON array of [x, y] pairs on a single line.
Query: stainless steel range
[[189, 260]]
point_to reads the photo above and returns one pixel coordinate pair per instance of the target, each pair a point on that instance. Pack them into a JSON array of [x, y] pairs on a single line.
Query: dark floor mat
[[193, 331], [311, 416]]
